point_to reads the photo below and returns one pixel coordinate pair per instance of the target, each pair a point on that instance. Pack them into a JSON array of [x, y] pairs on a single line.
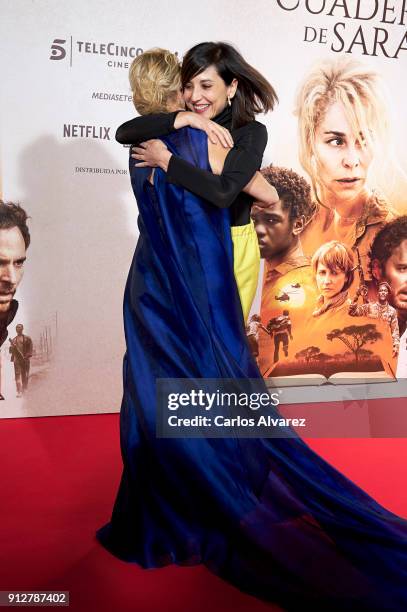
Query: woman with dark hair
[[219, 87]]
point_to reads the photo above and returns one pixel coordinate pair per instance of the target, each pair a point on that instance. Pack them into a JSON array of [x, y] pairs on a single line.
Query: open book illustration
[[301, 337]]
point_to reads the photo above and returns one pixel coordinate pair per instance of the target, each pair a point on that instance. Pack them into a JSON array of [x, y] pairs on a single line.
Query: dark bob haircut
[[254, 93]]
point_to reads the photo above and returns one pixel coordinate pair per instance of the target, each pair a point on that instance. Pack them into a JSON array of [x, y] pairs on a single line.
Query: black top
[[224, 190]]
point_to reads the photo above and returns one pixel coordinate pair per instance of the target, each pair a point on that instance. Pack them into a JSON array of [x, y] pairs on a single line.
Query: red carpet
[[58, 481]]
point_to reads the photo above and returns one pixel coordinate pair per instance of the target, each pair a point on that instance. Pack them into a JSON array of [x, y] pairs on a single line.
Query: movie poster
[[331, 303], [65, 84]]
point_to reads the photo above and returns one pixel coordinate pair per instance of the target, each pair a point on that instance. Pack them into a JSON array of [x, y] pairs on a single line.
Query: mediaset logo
[[111, 97]]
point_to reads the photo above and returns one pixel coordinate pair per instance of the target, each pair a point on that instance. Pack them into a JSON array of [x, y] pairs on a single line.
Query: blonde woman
[[249, 508], [343, 126]]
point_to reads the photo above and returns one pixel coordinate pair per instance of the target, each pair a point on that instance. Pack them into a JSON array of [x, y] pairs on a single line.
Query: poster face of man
[[273, 228], [382, 294], [395, 272], [12, 258]]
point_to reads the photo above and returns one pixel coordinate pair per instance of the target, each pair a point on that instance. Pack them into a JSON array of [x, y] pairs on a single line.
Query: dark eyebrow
[[7, 260], [335, 133], [270, 215]]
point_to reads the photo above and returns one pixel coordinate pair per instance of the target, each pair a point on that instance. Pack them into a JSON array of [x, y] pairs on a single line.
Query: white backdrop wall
[[64, 66]]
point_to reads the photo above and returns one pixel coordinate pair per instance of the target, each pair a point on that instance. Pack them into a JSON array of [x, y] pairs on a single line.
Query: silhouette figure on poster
[[252, 333], [21, 349], [280, 328]]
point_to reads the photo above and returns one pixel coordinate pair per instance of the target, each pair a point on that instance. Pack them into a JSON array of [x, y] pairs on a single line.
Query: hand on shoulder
[[216, 133]]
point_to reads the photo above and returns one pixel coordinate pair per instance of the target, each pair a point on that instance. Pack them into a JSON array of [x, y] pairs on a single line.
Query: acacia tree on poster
[[308, 353], [355, 337]]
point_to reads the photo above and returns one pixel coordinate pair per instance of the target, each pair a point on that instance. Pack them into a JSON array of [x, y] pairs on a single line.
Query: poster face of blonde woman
[[343, 160]]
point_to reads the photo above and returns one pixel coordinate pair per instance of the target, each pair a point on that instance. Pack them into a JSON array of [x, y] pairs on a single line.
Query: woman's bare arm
[[261, 191], [258, 188]]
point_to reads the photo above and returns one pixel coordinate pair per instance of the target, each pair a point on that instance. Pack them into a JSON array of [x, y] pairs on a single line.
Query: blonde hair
[[358, 88], [335, 256], [155, 80]]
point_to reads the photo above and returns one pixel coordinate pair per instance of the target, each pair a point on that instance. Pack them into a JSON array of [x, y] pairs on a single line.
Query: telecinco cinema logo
[[115, 55]]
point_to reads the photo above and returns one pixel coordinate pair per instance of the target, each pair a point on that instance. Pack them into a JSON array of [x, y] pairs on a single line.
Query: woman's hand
[[216, 133], [261, 191], [152, 154]]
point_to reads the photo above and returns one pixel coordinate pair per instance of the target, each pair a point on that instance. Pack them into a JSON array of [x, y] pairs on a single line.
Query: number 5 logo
[[57, 50]]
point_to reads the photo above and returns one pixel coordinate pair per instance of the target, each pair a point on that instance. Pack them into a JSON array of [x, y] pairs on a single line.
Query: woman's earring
[[229, 101]]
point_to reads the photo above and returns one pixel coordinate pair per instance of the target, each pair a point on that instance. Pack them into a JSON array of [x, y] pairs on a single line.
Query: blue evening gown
[[268, 515]]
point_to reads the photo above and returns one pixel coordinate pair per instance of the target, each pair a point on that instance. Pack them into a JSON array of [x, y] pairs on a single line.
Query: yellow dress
[[246, 263]]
